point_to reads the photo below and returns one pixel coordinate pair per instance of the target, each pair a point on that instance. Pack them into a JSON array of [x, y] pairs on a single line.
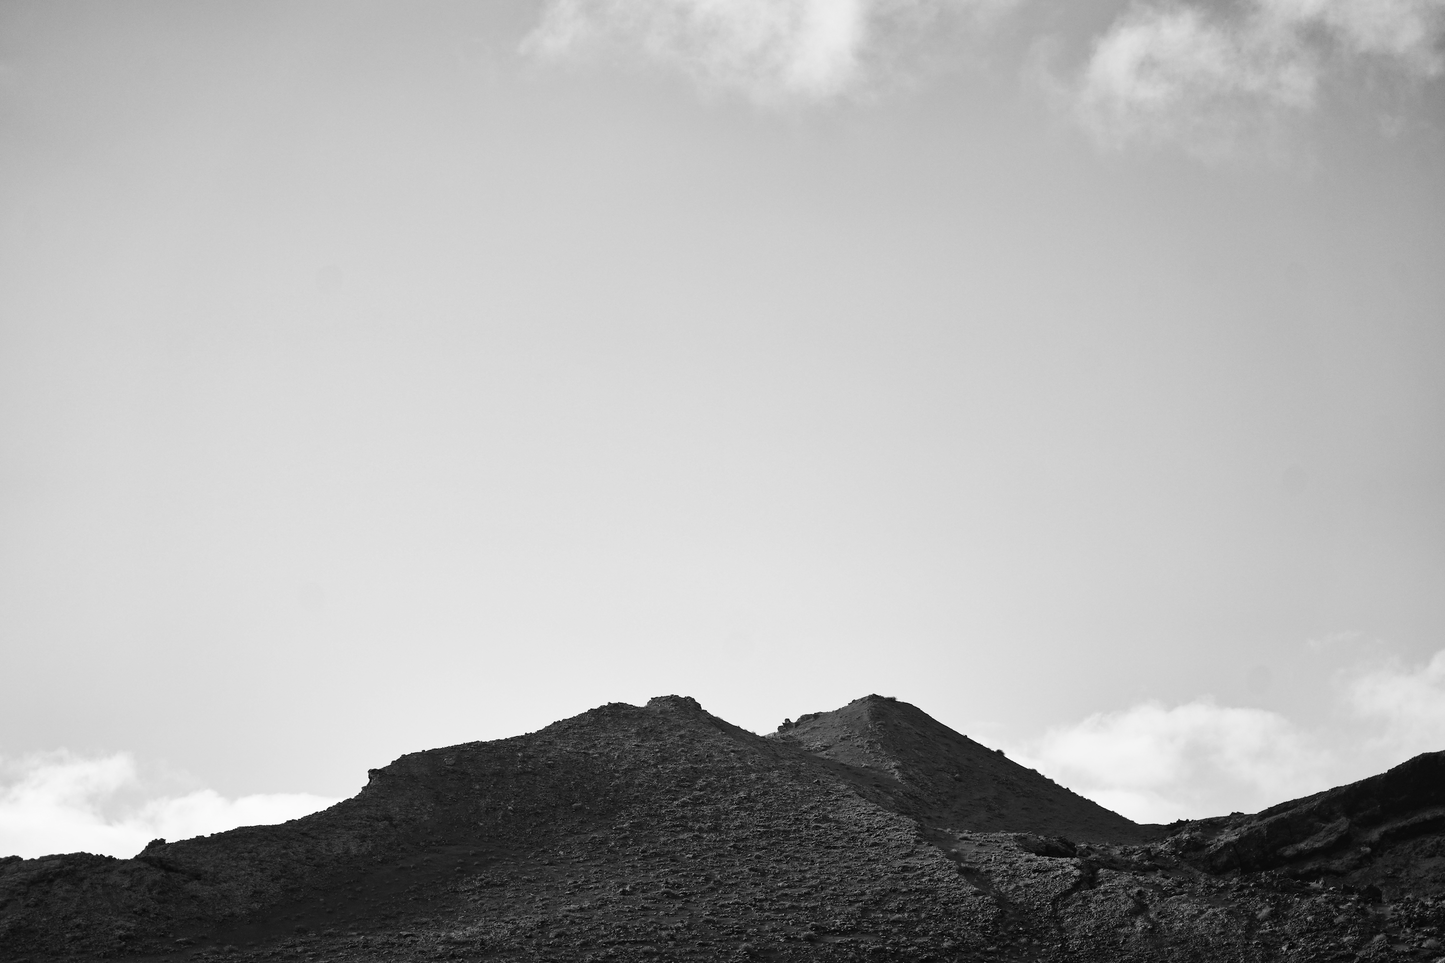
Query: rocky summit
[[664, 833]]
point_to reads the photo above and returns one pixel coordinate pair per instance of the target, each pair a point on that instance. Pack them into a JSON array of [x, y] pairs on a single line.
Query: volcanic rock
[[664, 833], [905, 760], [1381, 834]]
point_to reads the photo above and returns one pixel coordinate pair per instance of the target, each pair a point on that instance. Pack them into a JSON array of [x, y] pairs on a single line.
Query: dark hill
[[1384, 831], [916, 765], [664, 833]]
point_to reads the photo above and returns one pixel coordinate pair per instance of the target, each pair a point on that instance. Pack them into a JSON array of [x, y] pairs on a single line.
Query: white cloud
[[1158, 764], [771, 51], [1408, 703], [57, 803], [1406, 30], [1179, 75], [1150, 762], [1216, 79]]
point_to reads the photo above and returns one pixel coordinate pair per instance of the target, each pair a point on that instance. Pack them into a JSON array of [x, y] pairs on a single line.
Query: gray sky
[[375, 377]]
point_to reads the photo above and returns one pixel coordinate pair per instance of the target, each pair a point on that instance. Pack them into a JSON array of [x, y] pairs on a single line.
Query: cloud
[[1407, 703], [1219, 80], [1347, 638], [771, 51], [1158, 764], [57, 802], [1162, 75], [1216, 79], [1408, 31]]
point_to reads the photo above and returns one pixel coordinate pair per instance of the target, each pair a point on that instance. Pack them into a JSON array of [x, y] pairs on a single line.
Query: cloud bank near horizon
[[1150, 762], [60, 802], [1157, 763], [1213, 80]]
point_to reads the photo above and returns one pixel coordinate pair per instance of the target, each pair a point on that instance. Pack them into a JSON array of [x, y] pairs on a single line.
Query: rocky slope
[[908, 762], [1383, 832], [664, 833]]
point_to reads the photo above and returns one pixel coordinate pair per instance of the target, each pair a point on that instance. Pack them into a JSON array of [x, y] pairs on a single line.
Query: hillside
[[1384, 831], [917, 766], [664, 833]]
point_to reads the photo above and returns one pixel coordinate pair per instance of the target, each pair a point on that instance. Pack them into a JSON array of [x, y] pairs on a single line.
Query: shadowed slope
[[1384, 831], [898, 754]]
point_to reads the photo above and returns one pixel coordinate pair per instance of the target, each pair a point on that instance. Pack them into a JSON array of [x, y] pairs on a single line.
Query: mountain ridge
[[946, 778], [663, 831]]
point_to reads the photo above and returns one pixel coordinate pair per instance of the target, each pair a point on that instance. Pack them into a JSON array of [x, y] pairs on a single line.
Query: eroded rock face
[[1384, 831], [662, 832]]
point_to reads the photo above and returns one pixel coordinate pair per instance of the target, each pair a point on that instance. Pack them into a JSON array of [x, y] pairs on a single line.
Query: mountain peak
[[915, 764]]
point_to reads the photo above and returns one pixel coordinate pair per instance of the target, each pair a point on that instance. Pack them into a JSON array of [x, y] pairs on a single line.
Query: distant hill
[[662, 832]]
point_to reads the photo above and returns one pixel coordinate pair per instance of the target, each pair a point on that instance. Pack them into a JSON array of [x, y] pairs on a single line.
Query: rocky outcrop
[[1383, 831]]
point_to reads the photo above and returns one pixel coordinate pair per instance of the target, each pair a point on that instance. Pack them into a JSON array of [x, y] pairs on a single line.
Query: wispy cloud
[[772, 51], [59, 802], [1215, 79]]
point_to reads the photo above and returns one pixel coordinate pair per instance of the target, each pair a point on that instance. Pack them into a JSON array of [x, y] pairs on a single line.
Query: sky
[[377, 377]]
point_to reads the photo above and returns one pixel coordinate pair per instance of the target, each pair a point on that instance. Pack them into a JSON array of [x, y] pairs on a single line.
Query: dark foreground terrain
[[664, 833]]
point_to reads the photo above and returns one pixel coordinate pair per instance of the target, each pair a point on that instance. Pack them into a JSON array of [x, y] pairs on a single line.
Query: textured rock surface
[[1383, 831], [664, 833], [909, 762]]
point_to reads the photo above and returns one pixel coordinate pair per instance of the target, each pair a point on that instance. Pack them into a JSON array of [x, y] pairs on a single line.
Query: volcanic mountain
[[664, 833], [900, 757]]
